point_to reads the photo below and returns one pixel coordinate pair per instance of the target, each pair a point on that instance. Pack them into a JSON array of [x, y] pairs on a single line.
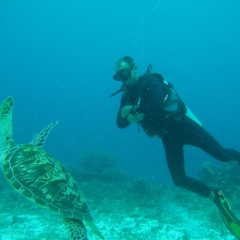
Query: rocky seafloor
[[126, 208]]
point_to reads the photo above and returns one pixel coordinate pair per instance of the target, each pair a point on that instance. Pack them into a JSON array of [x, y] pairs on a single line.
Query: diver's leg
[[197, 136], [175, 160]]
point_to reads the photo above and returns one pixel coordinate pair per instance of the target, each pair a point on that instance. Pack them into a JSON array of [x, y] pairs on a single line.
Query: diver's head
[[126, 71]]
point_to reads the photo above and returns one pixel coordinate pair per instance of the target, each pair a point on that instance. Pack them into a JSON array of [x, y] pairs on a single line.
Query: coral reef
[[226, 177], [127, 209], [96, 161], [134, 210], [100, 165]]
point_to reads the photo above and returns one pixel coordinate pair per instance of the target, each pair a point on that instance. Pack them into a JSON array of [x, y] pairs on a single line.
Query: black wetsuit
[[174, 132]]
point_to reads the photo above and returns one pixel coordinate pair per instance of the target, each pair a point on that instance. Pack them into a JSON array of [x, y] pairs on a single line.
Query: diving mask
[[123, 74]]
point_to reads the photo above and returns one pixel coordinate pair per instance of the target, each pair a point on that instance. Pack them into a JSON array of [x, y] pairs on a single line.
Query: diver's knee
[[180, 182]]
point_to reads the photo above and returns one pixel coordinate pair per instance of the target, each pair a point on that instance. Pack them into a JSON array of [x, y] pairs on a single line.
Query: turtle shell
[[41, 178]]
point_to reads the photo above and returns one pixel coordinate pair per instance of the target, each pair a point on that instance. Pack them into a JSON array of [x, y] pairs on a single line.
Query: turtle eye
[[7, 138]]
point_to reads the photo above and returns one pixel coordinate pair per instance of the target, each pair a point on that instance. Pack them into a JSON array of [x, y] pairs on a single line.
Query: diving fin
[[230, 220]]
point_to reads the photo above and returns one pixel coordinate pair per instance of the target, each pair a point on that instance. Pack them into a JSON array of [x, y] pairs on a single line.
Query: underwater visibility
[[159, 159], [125, 207]]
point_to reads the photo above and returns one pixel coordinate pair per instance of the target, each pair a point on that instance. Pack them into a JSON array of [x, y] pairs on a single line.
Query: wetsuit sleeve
[[122, 122], [153, 98]]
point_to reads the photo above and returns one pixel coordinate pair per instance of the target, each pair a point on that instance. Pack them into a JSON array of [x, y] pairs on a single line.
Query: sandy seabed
[[128, 210]]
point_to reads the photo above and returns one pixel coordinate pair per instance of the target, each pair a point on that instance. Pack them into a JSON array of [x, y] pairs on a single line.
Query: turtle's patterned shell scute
[[40, 177]]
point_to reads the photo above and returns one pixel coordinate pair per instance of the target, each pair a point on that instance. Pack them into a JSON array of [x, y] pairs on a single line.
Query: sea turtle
[[41, 178]]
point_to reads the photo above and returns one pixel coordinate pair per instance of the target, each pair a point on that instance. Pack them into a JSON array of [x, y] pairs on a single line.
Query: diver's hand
[[131, 117], [137, 117], [126, 110]]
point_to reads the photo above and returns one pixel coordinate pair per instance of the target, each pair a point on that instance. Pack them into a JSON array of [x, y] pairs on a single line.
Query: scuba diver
[[151, 102]]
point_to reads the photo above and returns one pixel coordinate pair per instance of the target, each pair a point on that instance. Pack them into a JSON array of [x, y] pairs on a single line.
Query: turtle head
[[6, 124]]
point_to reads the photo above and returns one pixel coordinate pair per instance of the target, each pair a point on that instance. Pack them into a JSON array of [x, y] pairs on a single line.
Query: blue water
[[57, 61]]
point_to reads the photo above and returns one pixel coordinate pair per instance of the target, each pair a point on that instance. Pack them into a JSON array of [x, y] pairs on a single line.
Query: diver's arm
[[122, 121], [125, 114]]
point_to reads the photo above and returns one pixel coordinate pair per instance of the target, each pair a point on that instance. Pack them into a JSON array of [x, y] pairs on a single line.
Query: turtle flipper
[[94, 228], [6, 122], [40, 139], [76, 228], [6, 108]]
